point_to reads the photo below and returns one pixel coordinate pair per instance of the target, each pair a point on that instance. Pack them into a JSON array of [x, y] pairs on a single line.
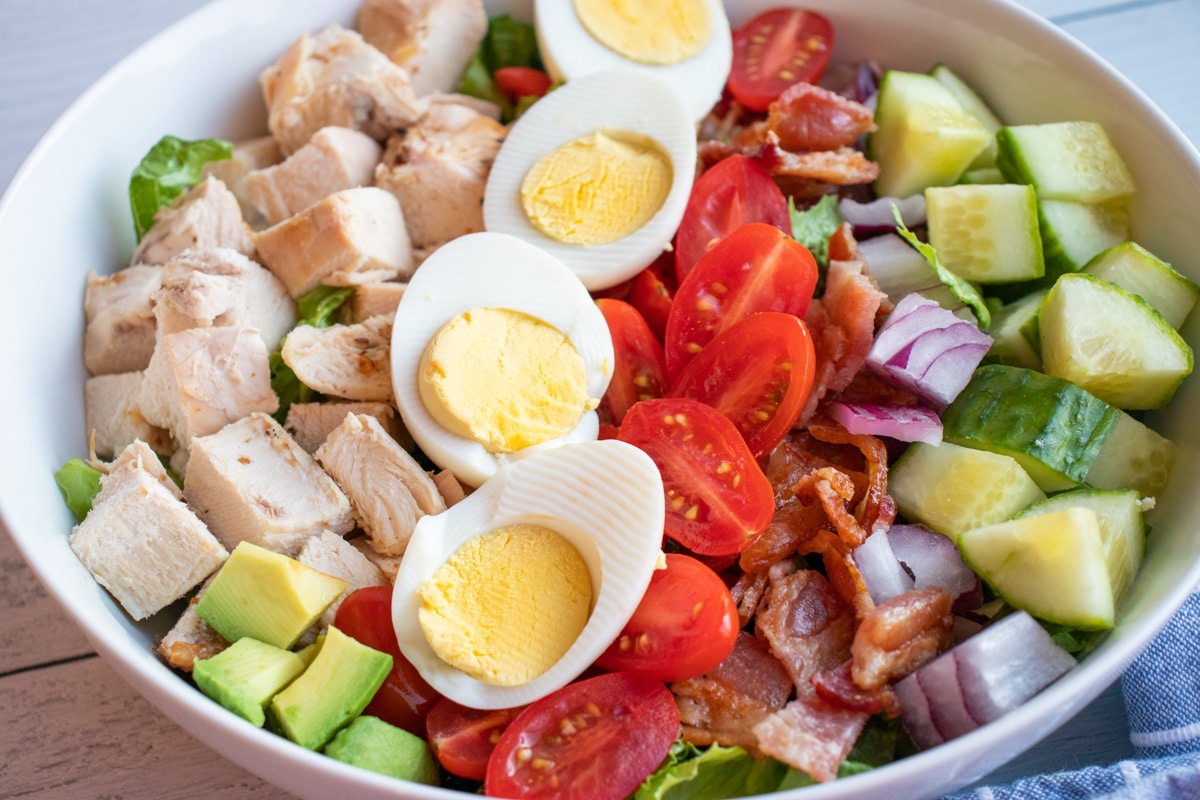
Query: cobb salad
[[767, 430]]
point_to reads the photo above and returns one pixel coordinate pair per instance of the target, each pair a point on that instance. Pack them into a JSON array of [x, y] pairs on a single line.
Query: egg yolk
[[597, 189], [507, 605], [503, 379], [659, 33]]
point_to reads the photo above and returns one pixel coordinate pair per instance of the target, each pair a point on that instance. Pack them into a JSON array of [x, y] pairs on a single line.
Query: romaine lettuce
[[166, 171]]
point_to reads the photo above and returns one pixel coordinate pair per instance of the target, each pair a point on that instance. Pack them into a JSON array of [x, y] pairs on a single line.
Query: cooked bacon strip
[[837, 686], [901, 635], [842, 244], [808, 117], [807, 625], [870, 507], [747, 592], [800, 174], [843, 572], [794, 523], [811, 734], [833, 489]]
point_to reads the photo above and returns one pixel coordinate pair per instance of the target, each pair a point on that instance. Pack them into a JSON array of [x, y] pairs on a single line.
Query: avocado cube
[[373, 744], [334, 690], [246, 675]]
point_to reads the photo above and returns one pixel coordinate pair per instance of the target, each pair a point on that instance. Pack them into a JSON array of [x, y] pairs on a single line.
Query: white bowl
[[66, 212]]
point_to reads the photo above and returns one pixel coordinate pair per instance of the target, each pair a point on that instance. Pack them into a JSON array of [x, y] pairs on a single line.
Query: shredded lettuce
[[79, 483], [508, 43], [317, 309], [166, 171], [964, 290], [813, 226], [690, 773]]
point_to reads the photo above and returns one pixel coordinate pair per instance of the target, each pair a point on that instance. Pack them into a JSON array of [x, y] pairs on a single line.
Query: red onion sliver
[[877, 215], [902, 423], [932, 559], [881, 571]]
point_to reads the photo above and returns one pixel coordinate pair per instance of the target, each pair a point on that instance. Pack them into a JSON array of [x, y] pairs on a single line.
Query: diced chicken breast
[[335, 78], [438, 170], [200, 380], [206, 216], [310, 423], [485, 107], [191, 638], [349, 361], [333, 159], [451, 490], [432, 39], [142, 543], [250, 481], [349, 238], [248, 155], [219, 287], [119, 311], [112, 417], [139, 454], [371, 300], [388, 489], [388, 565], [329, 553]]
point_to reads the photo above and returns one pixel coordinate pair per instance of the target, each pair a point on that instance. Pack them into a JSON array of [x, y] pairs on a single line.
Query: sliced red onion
[[902, 423], [932, 559], [928, 350], [979, 680], [866, 81], [881, 571], [877, 215], [899, 270]]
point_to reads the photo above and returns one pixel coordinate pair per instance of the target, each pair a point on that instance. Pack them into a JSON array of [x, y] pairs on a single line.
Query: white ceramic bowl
[[66, 212]]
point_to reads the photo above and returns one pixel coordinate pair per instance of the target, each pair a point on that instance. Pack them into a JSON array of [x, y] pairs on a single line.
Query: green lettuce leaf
[[79, 483], [166, 171], [477, 82], [964, 290], [813, 226], [690, 773], [317, 308], [510, 43]]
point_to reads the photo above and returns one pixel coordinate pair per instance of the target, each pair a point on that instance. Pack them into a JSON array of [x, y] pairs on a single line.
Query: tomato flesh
[[729, 194], [758, 372], [596, 739], [776, 49], [685, 625], [404, 699], [462, 739], [518, 82], [652, 290], [639, 371], [717, 497]]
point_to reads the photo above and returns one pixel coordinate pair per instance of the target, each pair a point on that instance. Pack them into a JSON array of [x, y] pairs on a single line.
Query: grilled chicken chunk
[[371, 300], [119, 312], [432, 39], [438, 170], [350, 361], [335, 78], [329, 553], [388, 489], [333, 159], [140, 541], [191, 638], [250, 481], [248, 155], [310, 423], [112, 418], [206, 216], [348, 238]]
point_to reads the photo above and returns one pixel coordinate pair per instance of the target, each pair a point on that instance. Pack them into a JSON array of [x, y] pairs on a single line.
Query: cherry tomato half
[[684, 627], [775, 50], [652, 290], [518, 82], [755, 268], [639, 372], [717, 496], [596, 739], [758, 372], [463, 738], [729, 194], [405, 698]]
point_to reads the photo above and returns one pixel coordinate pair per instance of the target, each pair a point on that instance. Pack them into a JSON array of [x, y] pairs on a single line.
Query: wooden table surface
[[72, 727]]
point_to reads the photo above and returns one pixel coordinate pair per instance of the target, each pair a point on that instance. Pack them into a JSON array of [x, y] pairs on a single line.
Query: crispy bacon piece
[[808, 117], [807, 625], [837, 686], [811, 734], [842, 244], [801, 174], [870, 510], [843, 572], [794, 523], [901, 635]]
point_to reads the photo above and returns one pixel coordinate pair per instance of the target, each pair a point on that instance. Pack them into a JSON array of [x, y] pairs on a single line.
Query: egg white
[[605, 497], [622, 99], [570, 52], [498, 271]]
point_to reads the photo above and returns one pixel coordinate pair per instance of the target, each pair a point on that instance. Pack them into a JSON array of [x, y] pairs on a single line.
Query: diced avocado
[[246, 675], [952, 489], [1133, 457], [923, 137], [970, 100], [1051, 565], [1072, 161], [1050, 426], [1122, 530], [335, 688], [266, 596], [1011, 343], [1135, 269], [1138, 363], [987, 233], [373, 744]]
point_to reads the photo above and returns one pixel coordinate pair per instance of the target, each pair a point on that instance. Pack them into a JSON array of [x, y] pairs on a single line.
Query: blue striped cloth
[[1162, 696]]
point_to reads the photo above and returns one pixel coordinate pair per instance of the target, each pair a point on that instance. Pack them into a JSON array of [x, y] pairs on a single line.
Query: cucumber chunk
[[1014, 333], [1071, 161], [952, 489], [1075, 233], [1122, 529], [1052, 565], [924, 137], [1134, 456], [1138, 363], [987, 233], [1050, 426], [982, 176], [970, 100], [1135, 269]]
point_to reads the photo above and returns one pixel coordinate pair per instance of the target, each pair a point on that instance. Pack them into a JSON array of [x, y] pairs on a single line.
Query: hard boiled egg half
[[596, 173], [516, 590], [497, 349], [686, 43]]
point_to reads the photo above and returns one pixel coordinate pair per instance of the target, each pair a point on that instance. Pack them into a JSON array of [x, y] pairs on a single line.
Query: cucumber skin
[[1018, 167], [1053, 428]]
